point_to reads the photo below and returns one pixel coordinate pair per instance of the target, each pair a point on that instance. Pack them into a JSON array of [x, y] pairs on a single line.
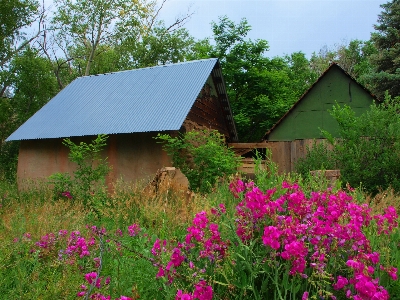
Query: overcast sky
[[288, 25]]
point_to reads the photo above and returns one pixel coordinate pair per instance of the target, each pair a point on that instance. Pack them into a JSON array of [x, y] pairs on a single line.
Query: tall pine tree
[[386, 75]]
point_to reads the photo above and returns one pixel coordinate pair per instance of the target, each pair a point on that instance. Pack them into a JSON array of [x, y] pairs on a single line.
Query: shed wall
[[312, 112], [133, 157]]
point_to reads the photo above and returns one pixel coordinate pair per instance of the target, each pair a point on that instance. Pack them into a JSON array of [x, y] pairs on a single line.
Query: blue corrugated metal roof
[[150, 99]]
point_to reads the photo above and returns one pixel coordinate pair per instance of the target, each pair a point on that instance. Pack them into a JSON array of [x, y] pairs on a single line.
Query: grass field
[[42, 254]]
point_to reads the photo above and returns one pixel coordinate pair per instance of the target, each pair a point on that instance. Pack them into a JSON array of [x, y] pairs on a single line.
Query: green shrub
[[202, 156], [9, 160], [318, 157], [368, 150], [89, 178]]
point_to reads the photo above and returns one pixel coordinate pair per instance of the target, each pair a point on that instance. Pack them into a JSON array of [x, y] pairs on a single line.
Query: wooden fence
[[284, 154]]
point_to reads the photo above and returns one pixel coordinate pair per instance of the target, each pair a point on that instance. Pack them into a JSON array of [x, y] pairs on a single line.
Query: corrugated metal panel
[[149, 99]]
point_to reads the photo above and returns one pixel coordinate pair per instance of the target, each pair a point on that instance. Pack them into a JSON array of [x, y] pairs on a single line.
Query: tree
[[353, 57], [88, 28], [260, 89], [32, 85], [159, 47], [15, 17], [386, 62]]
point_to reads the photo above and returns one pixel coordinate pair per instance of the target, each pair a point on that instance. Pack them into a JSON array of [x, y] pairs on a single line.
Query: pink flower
[[90, 277], [236, 187], [341, 283], [177, 258], [271, 237], [201, 220], [160, 273], [156, 250], [182, 296], [66, 194], [134, 229], [202, 291], [392, 271], [305, 296]]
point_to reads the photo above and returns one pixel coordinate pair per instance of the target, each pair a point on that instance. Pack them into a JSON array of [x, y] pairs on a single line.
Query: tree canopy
[[386, 61], [40, 54]]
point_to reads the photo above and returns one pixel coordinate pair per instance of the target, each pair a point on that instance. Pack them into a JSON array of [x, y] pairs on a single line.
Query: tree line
[[41, 52]]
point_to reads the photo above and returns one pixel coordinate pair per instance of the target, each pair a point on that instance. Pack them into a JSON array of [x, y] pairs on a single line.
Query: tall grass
[[27, 216]]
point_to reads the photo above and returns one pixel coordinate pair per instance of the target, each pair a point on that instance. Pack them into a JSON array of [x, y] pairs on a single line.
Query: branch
[[153, 19], [25, 43], [179, 22]]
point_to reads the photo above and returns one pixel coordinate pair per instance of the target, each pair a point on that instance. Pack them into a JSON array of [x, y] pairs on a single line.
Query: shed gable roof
[[141, 100], [331, 67]]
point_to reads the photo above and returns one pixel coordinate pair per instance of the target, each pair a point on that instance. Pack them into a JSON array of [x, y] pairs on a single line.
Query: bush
[[368, 150], [9, 160], [90, 174], [318, 157], [282, 247], [202, 156]]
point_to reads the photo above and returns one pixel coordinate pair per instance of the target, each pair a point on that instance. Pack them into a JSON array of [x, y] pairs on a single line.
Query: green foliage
[[260, 89], [159, 47], [15, 16], [386, 61], [9, 161], [202, 156], [88, 179], [368, 151], [318, 157], [33, 82], [353, 57], [90, 24]]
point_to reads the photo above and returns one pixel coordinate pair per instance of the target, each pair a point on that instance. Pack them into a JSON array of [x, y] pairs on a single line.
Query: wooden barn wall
[[286, 153], [206, 110], [311, 114]]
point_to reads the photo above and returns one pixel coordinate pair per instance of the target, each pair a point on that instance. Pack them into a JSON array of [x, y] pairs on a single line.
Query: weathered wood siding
[[311, 112], [284, 153], [209, 111]]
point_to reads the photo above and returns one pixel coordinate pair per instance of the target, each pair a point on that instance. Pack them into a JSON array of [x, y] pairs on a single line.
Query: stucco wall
[[133, 157]]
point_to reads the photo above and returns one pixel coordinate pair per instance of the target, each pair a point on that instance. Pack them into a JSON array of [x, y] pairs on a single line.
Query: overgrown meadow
[[279, 237]]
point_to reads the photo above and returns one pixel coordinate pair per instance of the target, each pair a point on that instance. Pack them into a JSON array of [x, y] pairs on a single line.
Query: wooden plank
[[248, 145]]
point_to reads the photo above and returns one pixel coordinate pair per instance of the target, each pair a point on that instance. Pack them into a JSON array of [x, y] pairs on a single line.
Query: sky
[[288, 25]]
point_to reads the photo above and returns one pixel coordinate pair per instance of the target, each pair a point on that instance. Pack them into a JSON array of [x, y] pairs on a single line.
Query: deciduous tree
[[260, 89]]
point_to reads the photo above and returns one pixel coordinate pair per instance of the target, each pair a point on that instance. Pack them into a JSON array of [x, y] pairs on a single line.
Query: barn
[[301, 125], [311, 112], [132, 107]]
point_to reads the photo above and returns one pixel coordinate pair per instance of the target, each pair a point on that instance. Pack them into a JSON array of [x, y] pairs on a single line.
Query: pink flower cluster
[[203, 246], [133, 229], [205, 236], [79, 245], [202, 291], [47, 241], [93, 279], [387, 221], [302, 230]]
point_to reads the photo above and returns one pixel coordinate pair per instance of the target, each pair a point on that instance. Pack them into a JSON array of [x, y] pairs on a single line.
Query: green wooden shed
[[311, 112]]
